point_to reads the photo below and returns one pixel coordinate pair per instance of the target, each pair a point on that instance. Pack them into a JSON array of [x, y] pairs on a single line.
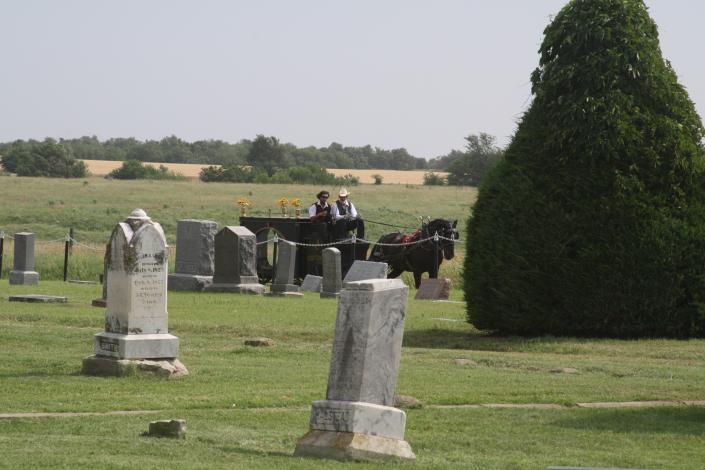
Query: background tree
[[266, 153], [470, 167], [47, 158], [594, 222]]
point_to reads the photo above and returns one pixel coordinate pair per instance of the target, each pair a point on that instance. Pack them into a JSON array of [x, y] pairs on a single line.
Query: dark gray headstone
[[332, 273], [285, 271], [23, 272], [235, 262], [195, 255], [363, 270]]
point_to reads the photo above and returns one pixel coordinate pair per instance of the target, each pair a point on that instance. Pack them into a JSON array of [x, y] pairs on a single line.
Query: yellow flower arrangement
[[243, 202], [283, 202], [296, 202]]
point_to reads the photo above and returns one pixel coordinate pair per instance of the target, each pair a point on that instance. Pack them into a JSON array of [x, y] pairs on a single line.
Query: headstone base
[[284, 290], [114, 367], [188, 282], [24, 278], [255, 289], [103, 303], [330, 295], [352, 446], [136, 346], [358, 417]]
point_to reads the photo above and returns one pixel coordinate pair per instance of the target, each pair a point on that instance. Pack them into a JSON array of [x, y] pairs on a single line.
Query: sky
[[389, 73]]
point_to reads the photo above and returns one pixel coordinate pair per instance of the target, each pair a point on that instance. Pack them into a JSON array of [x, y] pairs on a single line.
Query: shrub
[[594, 221], [47, 158], [134, 170], [378, 179], [433, 179]]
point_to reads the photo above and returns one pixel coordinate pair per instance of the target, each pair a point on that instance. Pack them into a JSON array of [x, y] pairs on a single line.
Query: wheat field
[[189, 170]]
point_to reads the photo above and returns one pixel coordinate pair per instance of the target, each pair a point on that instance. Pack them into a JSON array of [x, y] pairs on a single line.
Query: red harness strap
[[410, 238]]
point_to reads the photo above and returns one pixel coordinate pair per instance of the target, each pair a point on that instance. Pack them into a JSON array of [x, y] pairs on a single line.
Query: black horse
[[417, 252]]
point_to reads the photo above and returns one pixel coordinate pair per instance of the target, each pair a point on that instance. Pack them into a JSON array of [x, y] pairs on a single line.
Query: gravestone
[[38, 298], [285, 271], [235, 262], [136, 318], [23, 272], [357, 420], [434, 289], [195, 254], [312, 283], [332, 273], [362, 270]]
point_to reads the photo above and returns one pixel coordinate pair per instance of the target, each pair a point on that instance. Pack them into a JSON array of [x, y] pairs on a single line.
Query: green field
[[92, 206], [245, 407]]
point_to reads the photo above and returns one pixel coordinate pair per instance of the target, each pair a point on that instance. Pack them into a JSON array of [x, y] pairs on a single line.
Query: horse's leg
[[394, 272], [417, 279]]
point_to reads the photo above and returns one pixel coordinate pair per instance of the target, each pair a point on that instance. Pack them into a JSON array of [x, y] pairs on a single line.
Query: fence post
[[2, 247], [71, 237], [66, 256], [435, 251], [275, 240], [354, 242]]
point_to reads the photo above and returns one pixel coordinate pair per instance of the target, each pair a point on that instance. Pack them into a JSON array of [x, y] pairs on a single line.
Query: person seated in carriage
[[320, 210], [345, 218]]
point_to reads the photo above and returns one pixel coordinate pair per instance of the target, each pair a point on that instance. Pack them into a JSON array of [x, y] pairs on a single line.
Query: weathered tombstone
[[285, 271], [38, 298], [357, 420], [434, 289], [312, 283], [195, 254], [362, 270], [136, 336], [332, 273], [23, 272], [235, 262]]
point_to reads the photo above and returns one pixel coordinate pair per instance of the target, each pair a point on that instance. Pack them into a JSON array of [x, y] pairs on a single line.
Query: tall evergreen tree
[[594, 222]]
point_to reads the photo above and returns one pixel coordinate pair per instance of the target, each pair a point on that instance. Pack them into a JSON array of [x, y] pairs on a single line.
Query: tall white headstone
[[357, 420], [136, 319]]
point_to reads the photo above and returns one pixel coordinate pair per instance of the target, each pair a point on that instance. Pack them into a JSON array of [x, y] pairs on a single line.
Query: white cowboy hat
[[343, 192]]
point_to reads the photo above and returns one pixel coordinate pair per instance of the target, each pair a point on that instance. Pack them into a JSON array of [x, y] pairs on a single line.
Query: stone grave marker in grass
[[357, 420], [332, 273], [361, 270], [285, 271], [136, 337], [434, 289], [195, 255], [23, 272], [235, 262], [312, 283]]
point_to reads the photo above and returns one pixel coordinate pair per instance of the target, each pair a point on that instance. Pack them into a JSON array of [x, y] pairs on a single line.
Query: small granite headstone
[[38, 298], [235, 262], [362, 270], [136, 319], [195, 255], [433, 289], [285, 271], [332, 273], [312, 283], [23, 272], [357, 420]]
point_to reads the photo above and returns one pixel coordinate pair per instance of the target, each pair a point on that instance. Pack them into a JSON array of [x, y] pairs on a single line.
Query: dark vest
[[342, 208], [320, 209]]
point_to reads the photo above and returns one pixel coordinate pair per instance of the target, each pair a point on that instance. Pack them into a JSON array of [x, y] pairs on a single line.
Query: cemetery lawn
[[246, 407]]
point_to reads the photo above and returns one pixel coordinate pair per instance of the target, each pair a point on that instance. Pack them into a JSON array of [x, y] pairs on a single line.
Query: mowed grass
[[245, 407], [92, 206]]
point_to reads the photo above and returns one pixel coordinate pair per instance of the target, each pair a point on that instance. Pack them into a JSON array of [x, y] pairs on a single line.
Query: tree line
[[265, 155]]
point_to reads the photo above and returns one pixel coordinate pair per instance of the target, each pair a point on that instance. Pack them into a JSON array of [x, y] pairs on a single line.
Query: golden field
[[189, 170]]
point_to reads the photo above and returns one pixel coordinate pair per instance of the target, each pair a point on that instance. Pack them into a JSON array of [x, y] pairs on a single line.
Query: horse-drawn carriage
[[418, 252]]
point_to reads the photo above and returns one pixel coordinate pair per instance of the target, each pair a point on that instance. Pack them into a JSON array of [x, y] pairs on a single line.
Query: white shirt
[[335, 215], [312, 209]]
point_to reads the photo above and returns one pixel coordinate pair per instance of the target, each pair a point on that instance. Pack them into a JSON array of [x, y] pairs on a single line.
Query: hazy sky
[[389, 73]]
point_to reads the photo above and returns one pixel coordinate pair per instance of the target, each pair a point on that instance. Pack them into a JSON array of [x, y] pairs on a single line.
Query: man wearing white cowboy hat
[[345, 218]]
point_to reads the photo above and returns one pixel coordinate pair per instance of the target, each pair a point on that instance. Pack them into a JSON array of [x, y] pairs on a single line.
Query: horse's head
[[446, 230]]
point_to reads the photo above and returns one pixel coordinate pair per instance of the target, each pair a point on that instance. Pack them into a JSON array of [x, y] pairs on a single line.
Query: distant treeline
[[217, 152]]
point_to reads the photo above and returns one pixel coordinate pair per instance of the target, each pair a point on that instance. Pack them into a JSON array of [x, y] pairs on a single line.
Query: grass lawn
[[245, 407]]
